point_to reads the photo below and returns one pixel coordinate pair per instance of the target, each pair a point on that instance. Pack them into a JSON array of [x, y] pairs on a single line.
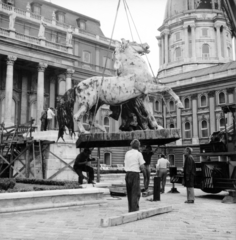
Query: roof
[[200, 72], [123, 139]]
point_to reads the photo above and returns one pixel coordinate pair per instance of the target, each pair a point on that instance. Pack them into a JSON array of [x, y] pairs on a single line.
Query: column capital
[[194, 96], [193, 26], [217, 25], [185, 26], [42, 66], [69, 72], [230, 90], [211, 93], [166, 32], [11, 59]]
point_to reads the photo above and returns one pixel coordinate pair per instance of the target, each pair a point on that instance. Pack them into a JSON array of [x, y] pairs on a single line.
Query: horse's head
[[128, 49]]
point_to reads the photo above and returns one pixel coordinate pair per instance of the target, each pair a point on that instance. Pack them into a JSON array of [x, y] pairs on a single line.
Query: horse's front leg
[[78, 116], [147, 88], [95, 124]]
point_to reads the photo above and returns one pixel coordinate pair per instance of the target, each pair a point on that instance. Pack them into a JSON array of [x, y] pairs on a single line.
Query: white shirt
[[162, 163], [50, 114], [133, 160]]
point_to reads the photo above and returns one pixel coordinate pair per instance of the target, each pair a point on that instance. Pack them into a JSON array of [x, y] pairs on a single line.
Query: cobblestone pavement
[[207, 219]]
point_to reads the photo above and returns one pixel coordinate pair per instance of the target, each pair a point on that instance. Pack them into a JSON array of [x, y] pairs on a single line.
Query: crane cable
[[94, 115], [126, 6]]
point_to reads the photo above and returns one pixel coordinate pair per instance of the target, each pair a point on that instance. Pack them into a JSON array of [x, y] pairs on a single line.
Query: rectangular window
[[36, 10], [177, 36], [61, 18], [86, 57], [27, 31], [172, 160]]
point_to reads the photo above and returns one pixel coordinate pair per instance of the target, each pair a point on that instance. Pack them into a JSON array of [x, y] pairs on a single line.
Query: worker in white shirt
[[134, 162], [50, 115], [162, 167]]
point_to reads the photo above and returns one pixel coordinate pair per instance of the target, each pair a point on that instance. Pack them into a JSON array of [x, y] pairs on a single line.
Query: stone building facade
[[196, 61], [46, 49]]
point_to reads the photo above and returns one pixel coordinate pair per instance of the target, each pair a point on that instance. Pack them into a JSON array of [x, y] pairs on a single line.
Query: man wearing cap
[[81, 165], [133, 164], [189, 174]]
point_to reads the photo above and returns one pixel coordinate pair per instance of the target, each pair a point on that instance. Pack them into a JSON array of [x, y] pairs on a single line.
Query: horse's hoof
[[179, 105]]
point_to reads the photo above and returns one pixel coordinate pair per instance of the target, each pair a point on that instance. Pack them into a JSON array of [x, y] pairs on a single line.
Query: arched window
[[13, 110], [203, 101], [62, 87], [177, 53], [172, 125], [156, 105], [204, 128], [172, 105], [186, 103], [172, 160], [107, 159], [205, 51], [187, 130], [221, 98], [222, 124], [106, 123]]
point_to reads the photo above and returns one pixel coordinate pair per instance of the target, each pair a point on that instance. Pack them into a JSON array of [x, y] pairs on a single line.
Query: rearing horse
[[133, 80]]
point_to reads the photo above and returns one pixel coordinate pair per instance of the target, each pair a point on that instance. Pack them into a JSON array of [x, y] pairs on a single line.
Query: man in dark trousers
[[133, 164], [147, 155], [81, 165], [189, 174]]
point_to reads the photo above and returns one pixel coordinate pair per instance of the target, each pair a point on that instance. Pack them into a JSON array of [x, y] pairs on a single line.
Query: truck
[[216, 170]]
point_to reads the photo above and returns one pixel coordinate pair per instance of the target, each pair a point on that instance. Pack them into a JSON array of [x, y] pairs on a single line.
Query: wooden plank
[[133, 216], [121, 139]]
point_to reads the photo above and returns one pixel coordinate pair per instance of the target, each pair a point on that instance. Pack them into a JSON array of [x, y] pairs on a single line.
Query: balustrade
[[56, 46], [4, 32], [27, 38]]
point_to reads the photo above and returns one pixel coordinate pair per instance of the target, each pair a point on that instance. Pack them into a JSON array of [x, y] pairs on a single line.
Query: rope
[[128, 20], [106, 61], [125, 3]]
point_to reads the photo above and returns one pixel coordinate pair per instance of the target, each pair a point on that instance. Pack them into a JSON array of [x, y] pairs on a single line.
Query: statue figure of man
[[69, 36], [42, 29], [12, 19]]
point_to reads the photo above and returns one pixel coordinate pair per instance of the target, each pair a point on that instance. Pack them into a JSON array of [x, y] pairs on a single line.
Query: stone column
[[219, 4], [193, 42], [24, 95], [195, 139], [192, 1], [9, 91], [166, 46], [218, 41], [162, 50], [211, 96], [52, 97], [179, 126], [225, 43], [213, 4], [69, 74], [186, 48], [97, 53], [40, 92]]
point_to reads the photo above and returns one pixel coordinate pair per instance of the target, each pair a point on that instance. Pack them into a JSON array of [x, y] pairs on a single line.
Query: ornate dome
[[174, 7]]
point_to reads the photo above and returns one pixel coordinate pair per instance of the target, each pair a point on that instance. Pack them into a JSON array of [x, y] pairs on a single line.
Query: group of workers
[[137, 161]]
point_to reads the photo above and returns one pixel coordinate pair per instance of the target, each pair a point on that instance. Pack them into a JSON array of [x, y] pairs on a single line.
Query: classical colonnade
[[40, 89]]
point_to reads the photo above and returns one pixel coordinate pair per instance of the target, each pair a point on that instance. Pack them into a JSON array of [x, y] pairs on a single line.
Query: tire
[[211, 190]]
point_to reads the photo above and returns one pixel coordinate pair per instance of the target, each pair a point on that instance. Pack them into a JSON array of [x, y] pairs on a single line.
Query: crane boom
[[229, 7]]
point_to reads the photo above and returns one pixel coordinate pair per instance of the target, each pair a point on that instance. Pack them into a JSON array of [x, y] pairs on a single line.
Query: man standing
[[162, 167], [81, 165], [189, 174], [133, 164], [50, 115], [147, 155]]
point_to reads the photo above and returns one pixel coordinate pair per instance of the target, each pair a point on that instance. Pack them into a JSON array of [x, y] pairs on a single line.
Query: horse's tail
[[65, 110]]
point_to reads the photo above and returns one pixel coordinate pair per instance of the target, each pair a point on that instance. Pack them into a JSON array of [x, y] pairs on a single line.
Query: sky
[[147, 16]]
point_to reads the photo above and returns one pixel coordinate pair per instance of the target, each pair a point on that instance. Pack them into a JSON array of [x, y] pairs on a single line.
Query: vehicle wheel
[[211, 190]]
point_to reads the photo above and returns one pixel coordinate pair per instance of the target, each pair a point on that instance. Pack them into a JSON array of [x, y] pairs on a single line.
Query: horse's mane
[[65, 110]]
